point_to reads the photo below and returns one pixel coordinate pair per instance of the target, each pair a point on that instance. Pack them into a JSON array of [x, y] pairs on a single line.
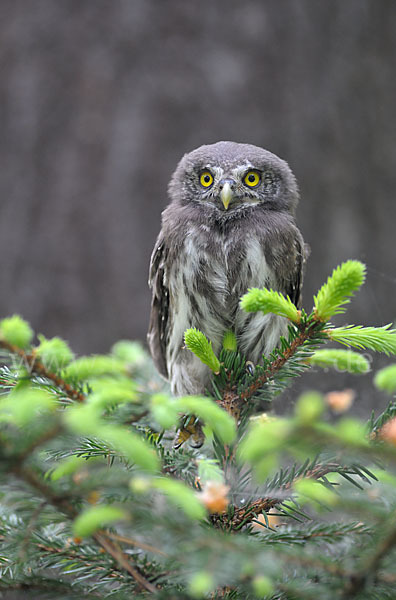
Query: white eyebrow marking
[[217, 171], [241, 169]]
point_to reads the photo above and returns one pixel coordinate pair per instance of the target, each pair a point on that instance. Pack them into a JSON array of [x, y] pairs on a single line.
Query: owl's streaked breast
[[208, 278]]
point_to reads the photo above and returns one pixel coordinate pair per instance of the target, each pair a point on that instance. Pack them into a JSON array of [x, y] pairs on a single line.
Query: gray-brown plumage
[[229, 226]]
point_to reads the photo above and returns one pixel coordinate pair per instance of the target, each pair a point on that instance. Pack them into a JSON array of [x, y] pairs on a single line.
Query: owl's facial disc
[[237, 186]]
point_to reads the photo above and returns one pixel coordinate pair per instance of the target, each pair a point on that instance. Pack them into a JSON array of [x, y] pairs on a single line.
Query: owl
[[229, 226]]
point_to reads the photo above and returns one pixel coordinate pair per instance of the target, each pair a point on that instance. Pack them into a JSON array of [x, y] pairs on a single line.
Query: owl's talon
[[250, 367]]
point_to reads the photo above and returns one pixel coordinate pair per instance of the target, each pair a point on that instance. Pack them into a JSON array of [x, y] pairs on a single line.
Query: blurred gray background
[[99, 99]]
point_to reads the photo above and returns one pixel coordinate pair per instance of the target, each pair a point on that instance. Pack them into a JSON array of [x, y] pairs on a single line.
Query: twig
[[36, 366], [232, 402], [136, 418], [357, 581], [47, 436], [307, 331], [30, 527], [126, 540], [246, 514], [63, 504], [122, 560]]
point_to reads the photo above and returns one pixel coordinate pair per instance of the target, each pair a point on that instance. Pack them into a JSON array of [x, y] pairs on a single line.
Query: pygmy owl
[[229, 227]]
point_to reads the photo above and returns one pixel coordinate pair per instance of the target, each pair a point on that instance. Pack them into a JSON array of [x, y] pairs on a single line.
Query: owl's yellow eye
[[252, 178], [206, 179]]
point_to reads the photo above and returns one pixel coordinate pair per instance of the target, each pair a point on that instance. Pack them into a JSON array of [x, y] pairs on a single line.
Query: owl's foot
[[190, 430]]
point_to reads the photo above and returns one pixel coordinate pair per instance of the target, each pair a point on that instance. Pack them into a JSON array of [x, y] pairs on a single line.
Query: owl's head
[[230, 178]]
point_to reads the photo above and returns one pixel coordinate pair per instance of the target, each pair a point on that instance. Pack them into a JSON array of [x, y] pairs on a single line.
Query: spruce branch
[[130, 542], [63, 505], [47, 436], [357, 581], [122, 559], [307, 331], [236, 517], [380, 339], [346, 279], [343, 360], [34, 365]]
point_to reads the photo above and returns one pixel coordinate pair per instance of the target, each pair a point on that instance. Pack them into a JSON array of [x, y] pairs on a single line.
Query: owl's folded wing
[[294, 288], [157, 332]]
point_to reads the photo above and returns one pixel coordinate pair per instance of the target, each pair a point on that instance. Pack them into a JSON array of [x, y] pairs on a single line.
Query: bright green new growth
[[88, 367], [131, 352], [16, 331], [25, 404], [229, 341], [182, 496], [342, 360], [385, 379], [66, 467], [165, 410], [111, 391], [96, 517], [270, 301], [262, 438], [380, 339], [314, 492], [54, 353], [309, 407], [86, 420], [209, 470], [201, 584], [198, 343], [221, 423], [343, 282], [263, 586]]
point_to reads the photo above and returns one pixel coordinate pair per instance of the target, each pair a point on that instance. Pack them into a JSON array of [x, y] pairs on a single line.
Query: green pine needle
[[343, 282], [341, 360], [198, 343], [270, 301], [380, 339]]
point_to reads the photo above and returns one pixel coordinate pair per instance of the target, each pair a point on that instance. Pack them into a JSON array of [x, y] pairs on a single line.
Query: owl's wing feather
[[157, 332], [294, 289]]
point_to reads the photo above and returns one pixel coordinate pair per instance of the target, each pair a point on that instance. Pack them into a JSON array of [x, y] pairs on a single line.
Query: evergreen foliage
[[96, 501]]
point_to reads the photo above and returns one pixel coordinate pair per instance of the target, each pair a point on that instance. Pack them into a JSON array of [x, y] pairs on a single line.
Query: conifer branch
[[64, 505], [122, 559], [306, 332], [47, 436], [357, 581], [34, 365], [244, 515]]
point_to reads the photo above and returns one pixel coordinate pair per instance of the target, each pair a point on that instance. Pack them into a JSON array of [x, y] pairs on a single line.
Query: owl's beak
[[226, 194]]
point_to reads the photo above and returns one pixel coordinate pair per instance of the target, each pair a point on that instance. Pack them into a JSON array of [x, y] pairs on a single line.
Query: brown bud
[[214, 496], [388, 432], [341, 401]]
